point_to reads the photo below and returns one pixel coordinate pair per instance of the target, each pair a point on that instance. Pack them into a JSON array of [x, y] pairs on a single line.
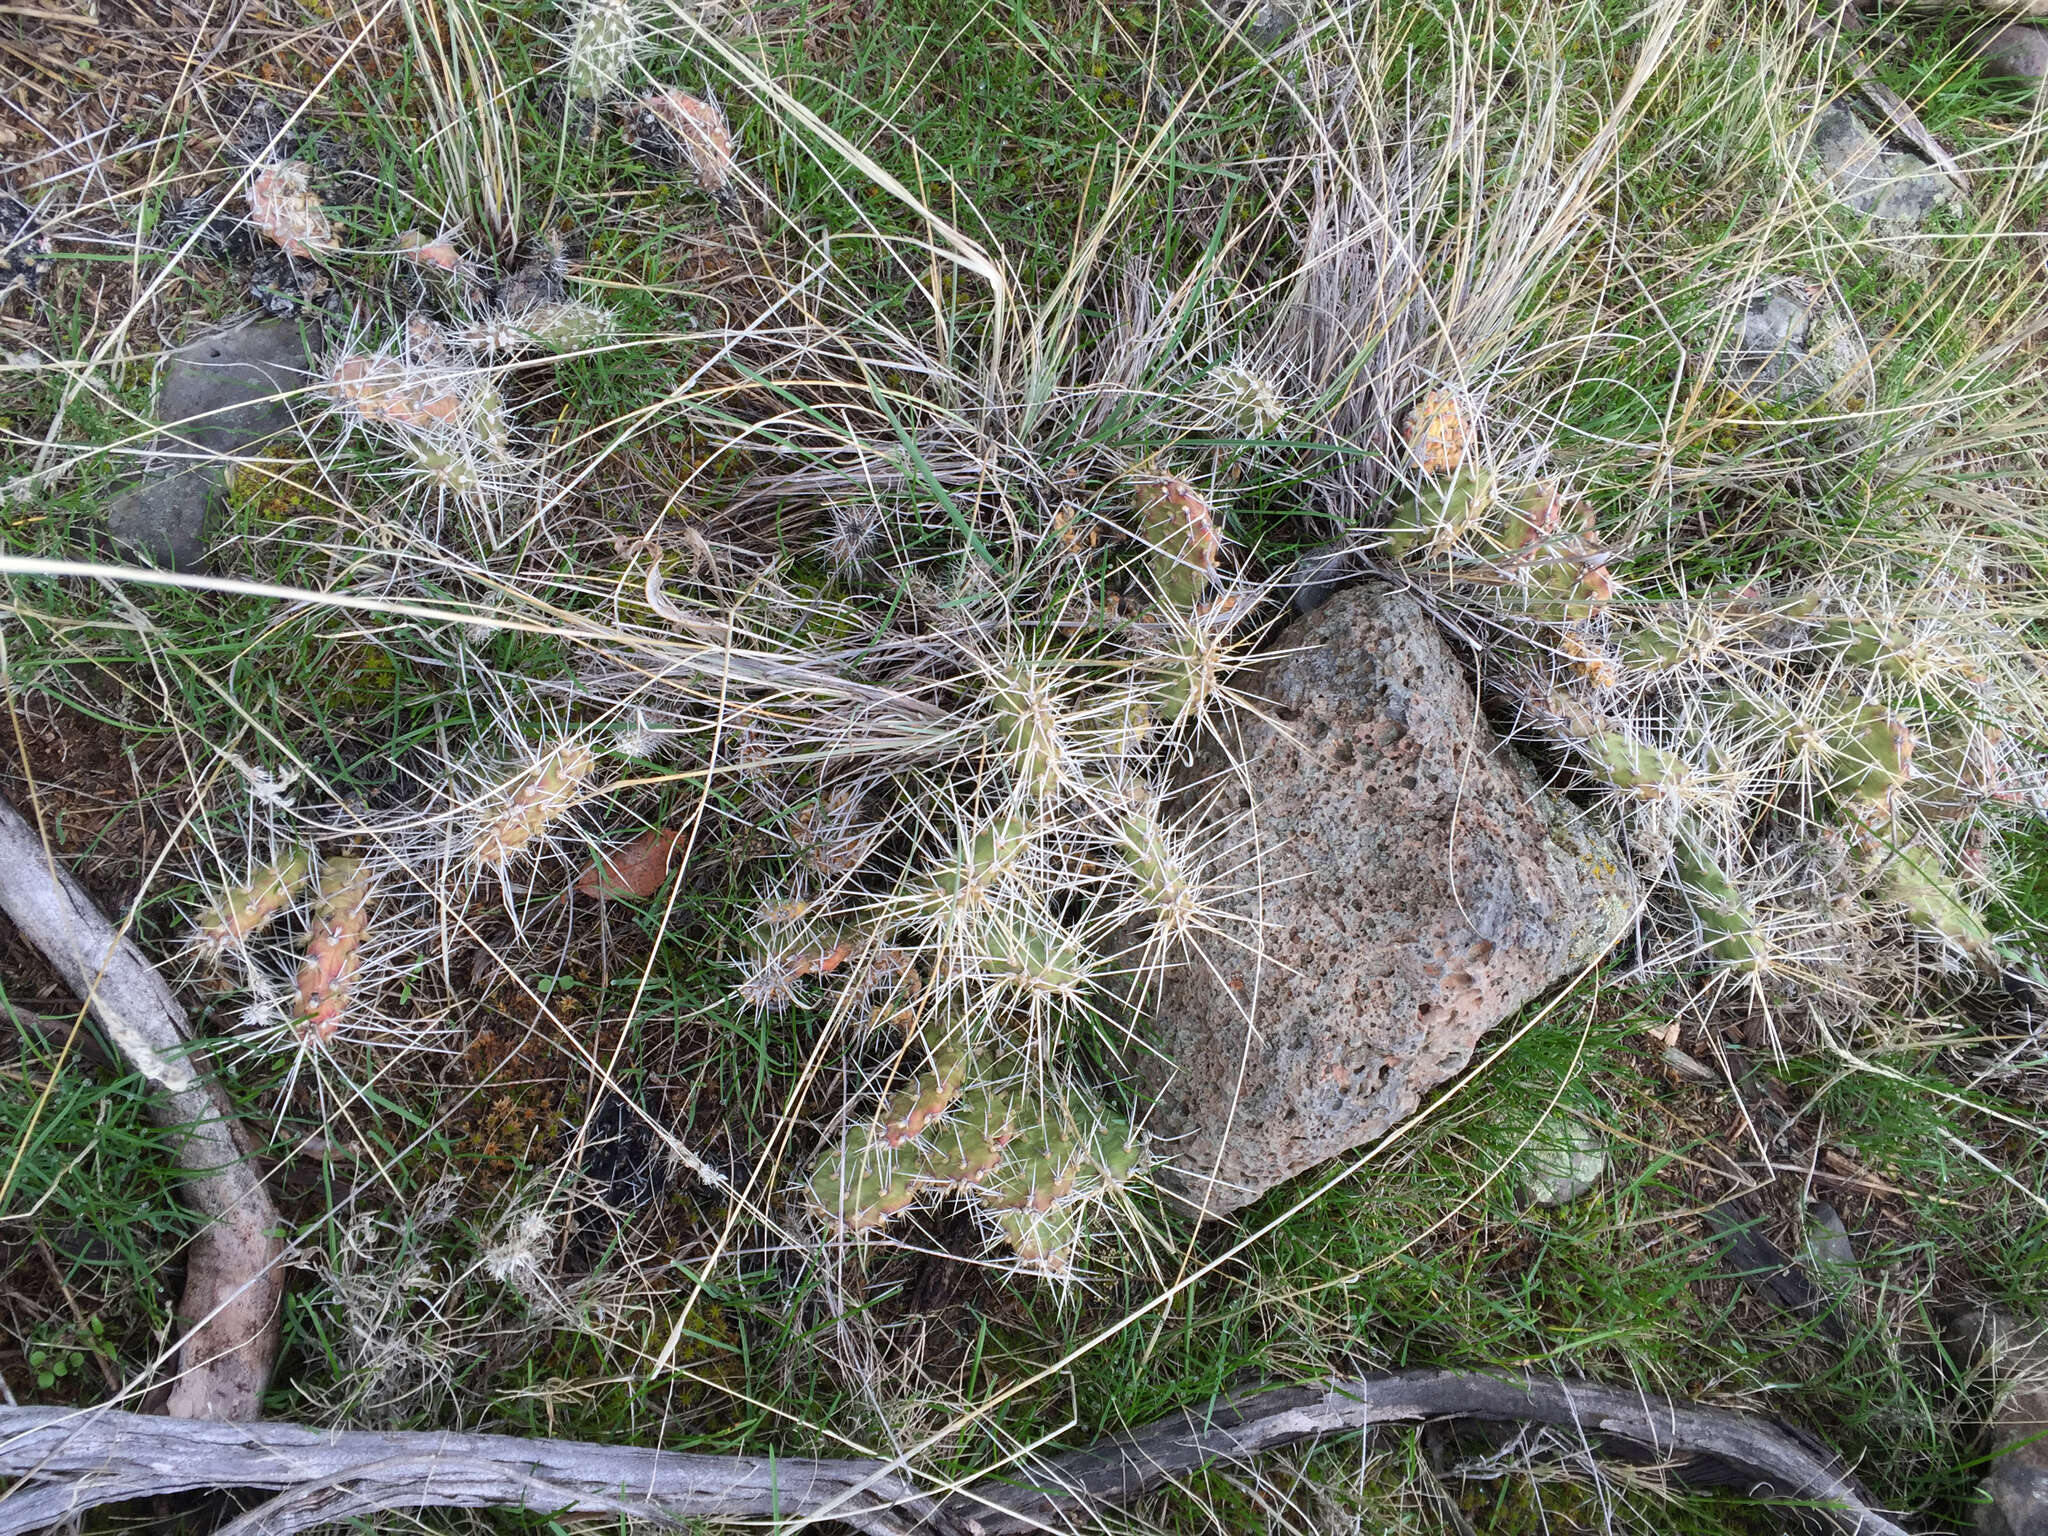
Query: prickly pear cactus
[[1038, 1167], [605, 39], [1761, 746], [283, 207], [987, 914]]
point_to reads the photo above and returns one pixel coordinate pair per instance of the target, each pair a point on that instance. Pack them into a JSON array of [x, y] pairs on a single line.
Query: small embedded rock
[[219, 396], [1269, 23], [1864, 174], [222, 392], [1829, 1252], [1319, 574], [1416, 884], [2015, 52], [1564, 1160], [2013, 1354], [162, 517], [1789, 344]]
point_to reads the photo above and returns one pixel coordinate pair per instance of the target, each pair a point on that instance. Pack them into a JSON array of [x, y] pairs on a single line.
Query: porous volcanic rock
[[1416, 884]]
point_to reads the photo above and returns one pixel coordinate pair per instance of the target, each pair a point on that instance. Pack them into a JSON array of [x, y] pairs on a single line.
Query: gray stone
[[162, 516], [1856, 167], [1417, 885], [2006, 8], [1269, 23], [2015, 52], [1319, 574], [2014, 1356], [1564, 1160], [220, 392], [1829, 1252], [1790, 344], [218, 396]]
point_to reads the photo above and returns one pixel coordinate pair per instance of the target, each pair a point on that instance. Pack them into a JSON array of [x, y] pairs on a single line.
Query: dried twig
[[71, 1462], [233, 1285]]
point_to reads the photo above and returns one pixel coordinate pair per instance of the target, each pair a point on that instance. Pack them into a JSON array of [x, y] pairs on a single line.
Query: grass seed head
[[854, 535], [639, 739]]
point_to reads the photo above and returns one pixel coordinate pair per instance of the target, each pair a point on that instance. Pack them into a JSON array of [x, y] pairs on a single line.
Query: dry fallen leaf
[[638, 869]]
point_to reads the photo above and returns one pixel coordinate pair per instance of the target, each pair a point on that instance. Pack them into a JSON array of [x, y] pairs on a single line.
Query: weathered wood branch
[[71, 1462], [233, 1283], [1766, 1458]]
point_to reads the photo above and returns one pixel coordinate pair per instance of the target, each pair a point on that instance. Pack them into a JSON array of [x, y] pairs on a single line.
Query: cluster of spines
[[426, 393], [1245, 402], [1723, 723], [1044, 878], [1531, 542], [334, 952], [1799, 710], [326, 987], [251, 904], [683, 130], [547, 325], [516, 814], [284, 208]]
